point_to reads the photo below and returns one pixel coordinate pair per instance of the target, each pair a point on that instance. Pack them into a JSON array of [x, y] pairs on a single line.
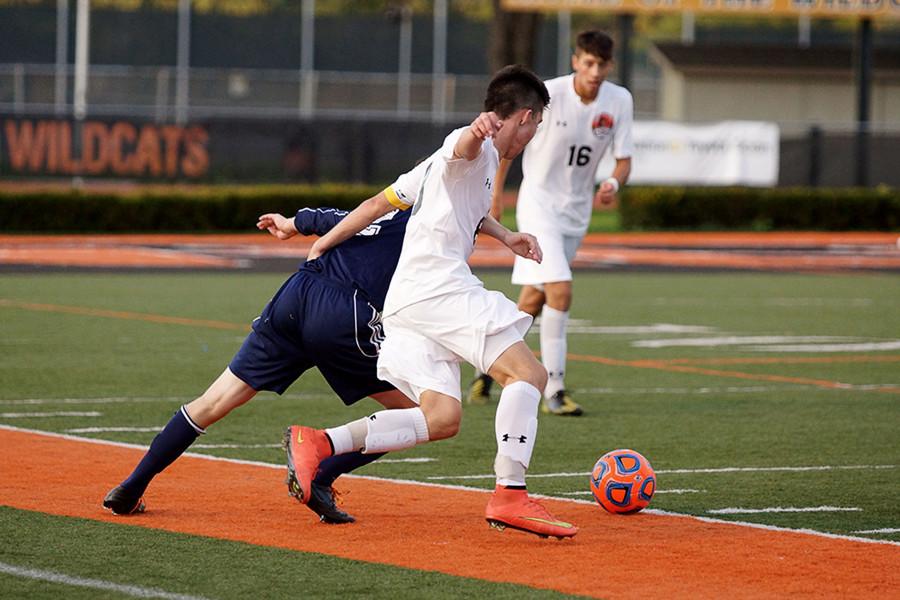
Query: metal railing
[[149, 92]]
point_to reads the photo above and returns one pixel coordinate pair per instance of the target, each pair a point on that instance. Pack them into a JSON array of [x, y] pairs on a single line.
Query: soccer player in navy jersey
[[326, 315]]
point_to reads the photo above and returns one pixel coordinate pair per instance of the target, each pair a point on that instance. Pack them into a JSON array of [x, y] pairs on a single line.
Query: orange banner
[[121, 148]]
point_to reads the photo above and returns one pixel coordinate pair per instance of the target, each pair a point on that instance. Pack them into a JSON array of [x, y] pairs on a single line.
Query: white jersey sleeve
[[622, 145], [404, 192]]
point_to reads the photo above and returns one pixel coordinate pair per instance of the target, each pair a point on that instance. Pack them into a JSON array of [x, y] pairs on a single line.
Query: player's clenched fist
[[486, 125]]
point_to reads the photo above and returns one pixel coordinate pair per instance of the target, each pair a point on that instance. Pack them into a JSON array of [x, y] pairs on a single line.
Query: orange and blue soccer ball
[[623, 482]]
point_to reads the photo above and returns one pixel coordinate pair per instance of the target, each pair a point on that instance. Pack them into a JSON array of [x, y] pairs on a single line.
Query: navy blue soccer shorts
[[314, 322]]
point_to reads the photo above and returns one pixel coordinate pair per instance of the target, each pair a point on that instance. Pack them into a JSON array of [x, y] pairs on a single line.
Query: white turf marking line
[[587, 327], [112, 400], [145, 399], [686, 471], [750, 389], [97, 584], [885, 530], [740, 340], [870, 347], [812, 532], [409, 482], [782, 509], [56, 413], [113, 429], [230, 446]]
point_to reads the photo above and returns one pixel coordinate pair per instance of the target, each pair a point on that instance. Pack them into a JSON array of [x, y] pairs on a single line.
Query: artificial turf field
[[753, 395]]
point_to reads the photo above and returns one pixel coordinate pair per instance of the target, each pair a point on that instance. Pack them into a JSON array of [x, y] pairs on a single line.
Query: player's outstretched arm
[[358, 219], [523, 244], [278, 225]]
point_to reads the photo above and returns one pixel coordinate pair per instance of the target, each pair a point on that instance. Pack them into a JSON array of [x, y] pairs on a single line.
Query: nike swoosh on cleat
[[299, 436], [545, 521]]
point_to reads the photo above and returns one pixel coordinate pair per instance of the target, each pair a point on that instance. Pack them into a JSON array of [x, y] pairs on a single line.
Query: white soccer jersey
[[449, 198], [559, 164]]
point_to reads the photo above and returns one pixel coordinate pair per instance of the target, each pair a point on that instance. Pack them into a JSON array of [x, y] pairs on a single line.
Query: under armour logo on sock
[[522, 438]]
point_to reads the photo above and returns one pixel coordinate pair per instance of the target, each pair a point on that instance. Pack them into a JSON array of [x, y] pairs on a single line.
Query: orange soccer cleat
[[514, 508], [306, 448]]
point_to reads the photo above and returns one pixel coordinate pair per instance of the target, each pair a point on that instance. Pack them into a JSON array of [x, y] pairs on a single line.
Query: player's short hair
[[594, 42], [515, 87]]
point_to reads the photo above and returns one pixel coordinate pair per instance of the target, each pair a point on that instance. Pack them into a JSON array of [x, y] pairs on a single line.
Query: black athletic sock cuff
[[190, 421]]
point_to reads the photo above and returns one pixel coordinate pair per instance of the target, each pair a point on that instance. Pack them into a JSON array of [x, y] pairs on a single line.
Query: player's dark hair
[[515, 87], [596, 43]]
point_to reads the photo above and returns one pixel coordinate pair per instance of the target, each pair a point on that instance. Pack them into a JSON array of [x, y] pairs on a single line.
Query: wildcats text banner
[[726, 153], [49, 147], [781, 8]]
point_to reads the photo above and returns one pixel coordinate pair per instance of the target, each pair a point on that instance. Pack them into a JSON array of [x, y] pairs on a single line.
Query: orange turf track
[[861, 250], [441, 529]]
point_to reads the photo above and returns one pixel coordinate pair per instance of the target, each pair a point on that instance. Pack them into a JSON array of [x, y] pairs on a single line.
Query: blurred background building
[[314, 90]]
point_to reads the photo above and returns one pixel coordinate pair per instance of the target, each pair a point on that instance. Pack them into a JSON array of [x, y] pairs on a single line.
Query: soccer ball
[[623, 482]]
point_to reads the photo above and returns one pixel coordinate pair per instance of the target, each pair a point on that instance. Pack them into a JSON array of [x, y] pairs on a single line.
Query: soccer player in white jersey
[[588, 116], [438, 314]]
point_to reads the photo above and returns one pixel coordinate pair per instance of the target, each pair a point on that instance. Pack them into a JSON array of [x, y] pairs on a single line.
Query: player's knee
[[442, 429], [443, 419], [559, 296], [537, 377]]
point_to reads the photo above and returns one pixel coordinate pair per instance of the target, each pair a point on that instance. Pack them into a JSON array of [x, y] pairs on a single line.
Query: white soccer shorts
[[425, 342], [559, 252]]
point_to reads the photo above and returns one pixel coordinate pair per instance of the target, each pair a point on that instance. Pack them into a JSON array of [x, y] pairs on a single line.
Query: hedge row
[[828, 209], [178, 209], [236, 208]]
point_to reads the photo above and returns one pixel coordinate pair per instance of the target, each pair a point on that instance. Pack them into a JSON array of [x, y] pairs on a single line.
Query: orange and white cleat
[[306, 448], [515, 509]]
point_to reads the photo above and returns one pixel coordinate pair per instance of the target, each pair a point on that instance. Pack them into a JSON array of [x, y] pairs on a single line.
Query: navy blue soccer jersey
[[367, 260], [327, 314]]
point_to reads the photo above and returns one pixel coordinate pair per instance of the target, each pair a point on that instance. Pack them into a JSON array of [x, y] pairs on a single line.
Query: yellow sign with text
[[780, 8]]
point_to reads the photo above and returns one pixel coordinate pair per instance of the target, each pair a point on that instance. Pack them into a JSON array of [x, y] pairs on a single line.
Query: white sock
[[348, 438], [516, 427], [397, 429], [553, 347]]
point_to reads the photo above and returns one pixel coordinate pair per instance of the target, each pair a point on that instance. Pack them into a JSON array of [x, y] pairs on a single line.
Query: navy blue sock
[[170, 443], [334, 466]]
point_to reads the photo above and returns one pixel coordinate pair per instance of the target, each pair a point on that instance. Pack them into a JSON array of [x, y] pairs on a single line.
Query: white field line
[[577, 326], [867, 347], [409, 482], [782, 509], [741, 340], [885, 530], [687, 471], [146, 399], [97, 584], [56, 413], [830, 302], [113, 429], [112, 400], [750, 389]]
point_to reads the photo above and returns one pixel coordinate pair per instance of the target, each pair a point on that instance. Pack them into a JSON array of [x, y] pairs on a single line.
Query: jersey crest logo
[[603, 124]]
